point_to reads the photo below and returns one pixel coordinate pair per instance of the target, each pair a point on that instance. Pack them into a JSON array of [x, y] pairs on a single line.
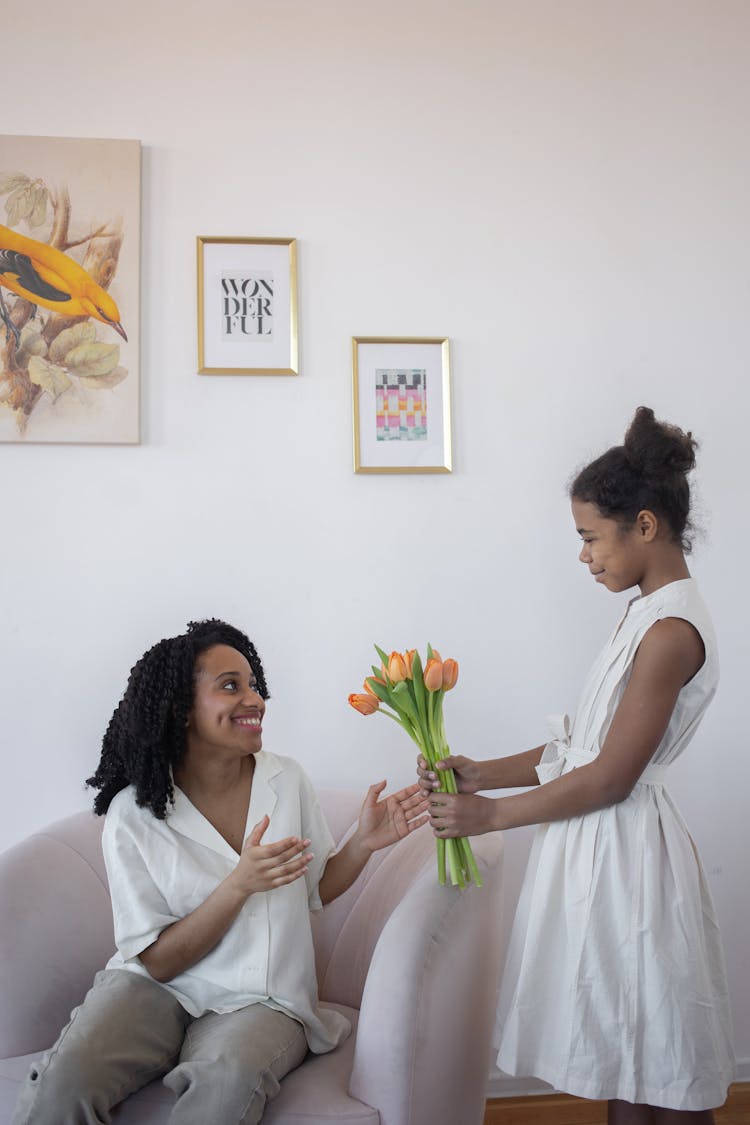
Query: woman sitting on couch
[[215, 851]]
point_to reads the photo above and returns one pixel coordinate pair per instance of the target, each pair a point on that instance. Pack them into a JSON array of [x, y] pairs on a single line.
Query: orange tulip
[[433, 674], [450, 674], [408, 661], [396, 668], [365, 704]]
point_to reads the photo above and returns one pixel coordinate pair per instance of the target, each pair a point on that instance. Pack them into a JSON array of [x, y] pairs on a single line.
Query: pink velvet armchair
[[413, 965]]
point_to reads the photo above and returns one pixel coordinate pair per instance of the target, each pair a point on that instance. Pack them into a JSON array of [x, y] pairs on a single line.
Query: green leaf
[[69, 338], [13, 181], [383, 655], [39, 208], [380, 690], [403, 699], [19, 204], [106, 382], [96, 358], [417, 672], [32, 342], [51, 378]]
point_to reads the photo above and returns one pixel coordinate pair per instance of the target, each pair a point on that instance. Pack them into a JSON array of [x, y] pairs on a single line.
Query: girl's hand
[[263, 867], [462, 815], [465, 769], [384, 822]]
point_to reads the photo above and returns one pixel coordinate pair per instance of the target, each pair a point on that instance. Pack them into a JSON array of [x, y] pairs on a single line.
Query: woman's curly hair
[[146, 736]]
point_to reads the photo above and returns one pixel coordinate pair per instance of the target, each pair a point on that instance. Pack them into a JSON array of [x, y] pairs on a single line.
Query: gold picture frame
[[401, 401], [247, 306]]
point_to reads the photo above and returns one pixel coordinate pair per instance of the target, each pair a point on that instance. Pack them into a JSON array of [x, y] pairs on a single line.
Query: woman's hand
[[384, 822], [465, 769], [462, 815], [380, 823], [262, 867]]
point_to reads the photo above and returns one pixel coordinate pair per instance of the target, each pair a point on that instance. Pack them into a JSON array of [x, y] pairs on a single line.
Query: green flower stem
[[441, 861], [471, 863], [453, 864]]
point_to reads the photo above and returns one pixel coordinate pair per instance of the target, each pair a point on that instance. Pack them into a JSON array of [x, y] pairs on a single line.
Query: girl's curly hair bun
[[656, 448]]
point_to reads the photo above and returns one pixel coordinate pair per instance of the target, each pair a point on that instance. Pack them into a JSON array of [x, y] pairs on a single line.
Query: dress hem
[[593, 1091]]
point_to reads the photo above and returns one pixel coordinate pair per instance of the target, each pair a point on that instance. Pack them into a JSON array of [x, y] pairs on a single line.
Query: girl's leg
[[683, 1117], [626, 1113], [231, 1064], [127, 1031]]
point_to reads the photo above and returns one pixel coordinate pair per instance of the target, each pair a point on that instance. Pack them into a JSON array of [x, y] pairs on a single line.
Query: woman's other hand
[[263, 867]]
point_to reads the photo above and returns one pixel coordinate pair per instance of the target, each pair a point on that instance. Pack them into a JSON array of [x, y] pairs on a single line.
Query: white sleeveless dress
[[614, 984]]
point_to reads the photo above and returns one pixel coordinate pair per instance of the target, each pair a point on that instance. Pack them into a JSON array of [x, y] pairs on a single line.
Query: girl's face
[[613, 551], [227, 712]]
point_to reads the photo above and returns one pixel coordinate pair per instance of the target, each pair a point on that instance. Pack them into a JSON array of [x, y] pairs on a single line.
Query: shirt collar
[[641, 601], [184, 817]]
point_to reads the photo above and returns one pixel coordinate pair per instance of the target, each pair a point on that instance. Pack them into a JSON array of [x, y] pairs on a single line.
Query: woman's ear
[[647, 524]]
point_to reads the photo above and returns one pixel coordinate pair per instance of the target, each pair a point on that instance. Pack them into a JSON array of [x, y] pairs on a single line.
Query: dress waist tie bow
[[560, 757]]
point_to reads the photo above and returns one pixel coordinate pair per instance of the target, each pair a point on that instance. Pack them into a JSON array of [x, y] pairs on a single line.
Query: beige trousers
[[129, 1030]]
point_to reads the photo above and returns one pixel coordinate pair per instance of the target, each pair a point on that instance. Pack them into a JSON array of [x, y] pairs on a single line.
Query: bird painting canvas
[[69, 289]]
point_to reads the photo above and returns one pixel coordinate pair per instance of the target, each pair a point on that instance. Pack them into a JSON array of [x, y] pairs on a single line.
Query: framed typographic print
[[247, 306], [401, 399]]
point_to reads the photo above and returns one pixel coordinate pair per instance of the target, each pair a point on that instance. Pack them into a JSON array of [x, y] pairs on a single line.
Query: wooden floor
[[561, 1109]]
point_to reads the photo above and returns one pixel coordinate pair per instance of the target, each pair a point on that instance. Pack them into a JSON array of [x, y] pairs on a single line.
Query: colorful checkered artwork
[[401, 404]]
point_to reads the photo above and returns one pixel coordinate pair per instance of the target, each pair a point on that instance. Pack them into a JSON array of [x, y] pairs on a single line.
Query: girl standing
[[213, 980], [614, 986]]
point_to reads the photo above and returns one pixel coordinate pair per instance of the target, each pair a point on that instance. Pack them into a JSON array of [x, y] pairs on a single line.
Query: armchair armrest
[[55, 932], [428, 1008]]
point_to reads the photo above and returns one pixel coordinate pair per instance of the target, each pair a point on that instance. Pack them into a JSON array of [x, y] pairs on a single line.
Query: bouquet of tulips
[[412, 695]]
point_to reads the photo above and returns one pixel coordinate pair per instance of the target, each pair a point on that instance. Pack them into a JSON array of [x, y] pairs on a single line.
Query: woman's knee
[[58, 1091], [110, 1048], [232, 1088]]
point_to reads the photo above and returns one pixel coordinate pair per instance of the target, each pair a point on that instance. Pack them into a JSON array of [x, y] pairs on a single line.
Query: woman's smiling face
[[227, 712], [612, 551]]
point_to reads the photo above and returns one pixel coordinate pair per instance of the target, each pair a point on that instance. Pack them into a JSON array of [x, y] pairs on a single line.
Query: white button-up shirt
[[161, 870]]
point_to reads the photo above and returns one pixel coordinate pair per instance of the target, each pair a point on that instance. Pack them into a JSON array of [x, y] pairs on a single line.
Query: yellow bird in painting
[[48, 277]]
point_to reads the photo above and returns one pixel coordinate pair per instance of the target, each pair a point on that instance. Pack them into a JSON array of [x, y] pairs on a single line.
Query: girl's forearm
[[512, 772], [574, 794], [581, 791], [184, 943]]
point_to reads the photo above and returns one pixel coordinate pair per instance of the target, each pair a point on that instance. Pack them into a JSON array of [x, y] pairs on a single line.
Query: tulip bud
[[450, 674], [396, 668], [365, 704], [433, 675], [408, 661]]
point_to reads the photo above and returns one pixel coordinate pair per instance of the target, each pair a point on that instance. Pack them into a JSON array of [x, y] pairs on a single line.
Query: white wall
[[562, 189]]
